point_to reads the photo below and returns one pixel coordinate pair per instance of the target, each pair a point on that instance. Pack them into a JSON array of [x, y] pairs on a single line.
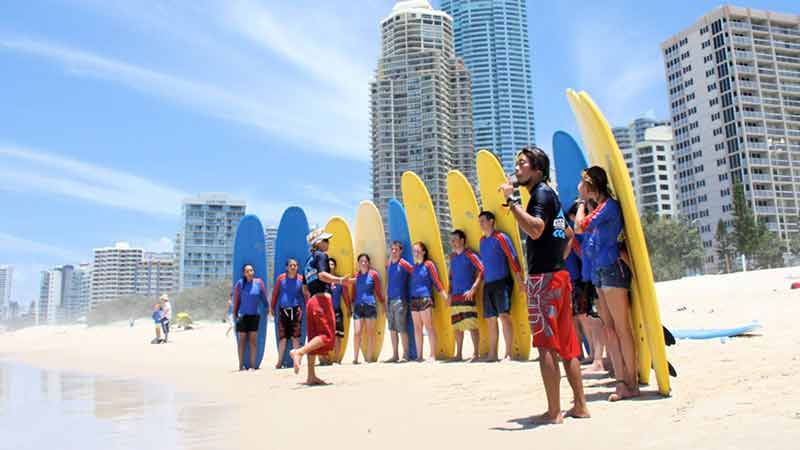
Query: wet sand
[[738, 393]]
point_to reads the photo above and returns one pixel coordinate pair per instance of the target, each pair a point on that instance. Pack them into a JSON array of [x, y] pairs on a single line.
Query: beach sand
[[739, 393]]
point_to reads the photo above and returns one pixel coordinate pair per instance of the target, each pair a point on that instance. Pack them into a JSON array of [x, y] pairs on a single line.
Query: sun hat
[[317, 236]]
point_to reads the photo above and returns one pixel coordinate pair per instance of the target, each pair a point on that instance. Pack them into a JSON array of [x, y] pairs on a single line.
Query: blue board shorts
[[364, 311], [615, 275], [496, 300]]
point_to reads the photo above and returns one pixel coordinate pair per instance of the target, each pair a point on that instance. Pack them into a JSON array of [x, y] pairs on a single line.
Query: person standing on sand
[[398, 273], [423, 279], [288, 296], [466, 272], [320, 320], [549, 289], [611, 276], [166, 315], [229, 315], [499, 261], [157, 321], [365, 306], [248, 292], [339, 294]]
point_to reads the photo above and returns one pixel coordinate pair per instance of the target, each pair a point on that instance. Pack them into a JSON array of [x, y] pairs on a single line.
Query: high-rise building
[[207, 234], [83, 283], [421, 106], [734, 90], [492, 38], [114, 272], [649, 162], [6, 286], [51, 294], [629, 136], [157, 274]]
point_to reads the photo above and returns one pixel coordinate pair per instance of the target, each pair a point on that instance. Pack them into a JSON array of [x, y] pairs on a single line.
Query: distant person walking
[[166, 316], [157, 321]]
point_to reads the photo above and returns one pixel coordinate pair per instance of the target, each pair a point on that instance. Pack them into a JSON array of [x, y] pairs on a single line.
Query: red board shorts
[[321, 322], [550, 313]]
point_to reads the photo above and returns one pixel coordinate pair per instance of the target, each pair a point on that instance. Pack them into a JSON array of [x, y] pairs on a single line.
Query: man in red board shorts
[[320, 318], [549, 286]]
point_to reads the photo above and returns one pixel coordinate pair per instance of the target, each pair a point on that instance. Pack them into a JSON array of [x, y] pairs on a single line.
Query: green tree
[[769, 247], [745, 229], [675, 247], [725, 247]]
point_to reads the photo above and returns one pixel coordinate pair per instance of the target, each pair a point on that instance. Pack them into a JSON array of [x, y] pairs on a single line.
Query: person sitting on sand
[[288, 298], [248, 292], [500, 261], [591, 328], [466, 272], [548, 288], [157, 321], [320, 318], [423, 279], [339, 294], [398, 272], [166, 316], [611, 277], [365, 307]]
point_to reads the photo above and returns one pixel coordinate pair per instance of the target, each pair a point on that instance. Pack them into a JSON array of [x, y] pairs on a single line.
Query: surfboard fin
[[669, 339], [672, 372]]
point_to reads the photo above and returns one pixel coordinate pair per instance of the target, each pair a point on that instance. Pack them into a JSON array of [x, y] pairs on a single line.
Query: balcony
[[785, 31], [750, 99], [765, 210], [753, 114], [745, 69], [755, 130], [763, 194], [769, 86], [781, 162], [775, 131], [789, 73], [757, 145], [760, 177], [744, 55], [739, 25], [747, 84], [742, 40]]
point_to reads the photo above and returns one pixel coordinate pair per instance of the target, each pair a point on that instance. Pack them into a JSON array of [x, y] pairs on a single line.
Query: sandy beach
[[736, 393]]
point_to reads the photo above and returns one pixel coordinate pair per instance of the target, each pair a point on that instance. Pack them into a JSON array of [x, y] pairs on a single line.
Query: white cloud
[[36, 171]]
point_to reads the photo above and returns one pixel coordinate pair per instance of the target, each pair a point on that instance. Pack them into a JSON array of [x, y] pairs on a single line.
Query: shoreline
[[727, 393]]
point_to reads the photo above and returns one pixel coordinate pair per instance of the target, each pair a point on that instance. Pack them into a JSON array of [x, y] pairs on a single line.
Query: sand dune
[[739, 393]]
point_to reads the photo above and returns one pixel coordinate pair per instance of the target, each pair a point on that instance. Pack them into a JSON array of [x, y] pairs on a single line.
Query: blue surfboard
[[398, 231], [570, 162], [291, 243], [716, 333], [248, 248]]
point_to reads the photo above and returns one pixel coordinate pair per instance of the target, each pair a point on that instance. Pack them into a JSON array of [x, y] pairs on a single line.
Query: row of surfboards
[[415, 220]]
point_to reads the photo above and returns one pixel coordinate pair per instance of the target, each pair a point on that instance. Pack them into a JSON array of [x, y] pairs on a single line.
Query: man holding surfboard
[[549, 288], [466, 273], [320, 320], [398, 273]]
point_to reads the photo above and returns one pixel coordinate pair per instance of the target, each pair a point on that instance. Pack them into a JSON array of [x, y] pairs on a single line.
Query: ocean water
[[44, 409]]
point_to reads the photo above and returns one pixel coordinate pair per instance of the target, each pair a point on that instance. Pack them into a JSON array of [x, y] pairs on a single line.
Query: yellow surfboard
[[423, 226], [371, 239], [490, 177], [597, 150], [341, 249], [464, 212], [643, 286]]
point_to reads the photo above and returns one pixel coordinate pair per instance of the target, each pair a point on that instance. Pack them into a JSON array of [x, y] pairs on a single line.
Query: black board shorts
[[248, 323]]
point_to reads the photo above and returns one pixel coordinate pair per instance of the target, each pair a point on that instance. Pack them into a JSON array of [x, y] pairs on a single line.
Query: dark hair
[[424, 250], [487, 214], [333, 260], [591, 204], [244, 279], [460, 234], [573, 210], [398, 243], [538, 160], [597, 179], [290, 260], [365, 256]]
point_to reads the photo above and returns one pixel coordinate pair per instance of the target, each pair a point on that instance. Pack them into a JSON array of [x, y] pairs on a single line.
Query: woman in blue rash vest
[[247, 293], [610, 276], [423, 279], [365, 306]]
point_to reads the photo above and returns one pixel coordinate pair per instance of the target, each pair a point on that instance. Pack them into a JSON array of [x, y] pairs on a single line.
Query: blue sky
[[113, 111]]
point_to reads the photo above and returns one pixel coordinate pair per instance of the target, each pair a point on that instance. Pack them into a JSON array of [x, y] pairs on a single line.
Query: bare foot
[[392, 360], [457, 358], [279, 365], [297, 358], [420, 359], [355, 362], [474, 359], [314, 381], [547, 419], [623, 392], [506, 358], [594, 368], [578, 413]]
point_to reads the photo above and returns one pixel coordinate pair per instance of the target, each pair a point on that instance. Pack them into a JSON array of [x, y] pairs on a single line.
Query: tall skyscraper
[[83, 283], [206, 241], [114, 272], [421, 106], [6, 286], [492, 38], [649, 162], [51, 296], [629, 136], [734, 90], [157, 274]]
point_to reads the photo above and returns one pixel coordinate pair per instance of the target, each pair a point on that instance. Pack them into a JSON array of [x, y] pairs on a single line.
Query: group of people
[[577, 284], [162, 313]]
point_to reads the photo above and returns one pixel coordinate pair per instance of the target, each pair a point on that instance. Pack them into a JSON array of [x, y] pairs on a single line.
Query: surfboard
[[423, 226], [341, 249], [249, 248], [594, 144], [464, 213], [644, 287], [370, 238], [398, 231], [569, 162], [490, 177], [290, 242], [716, 333]]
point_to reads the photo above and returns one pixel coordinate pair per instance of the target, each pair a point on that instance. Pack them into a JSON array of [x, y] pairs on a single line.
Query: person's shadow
[[523, 424]]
